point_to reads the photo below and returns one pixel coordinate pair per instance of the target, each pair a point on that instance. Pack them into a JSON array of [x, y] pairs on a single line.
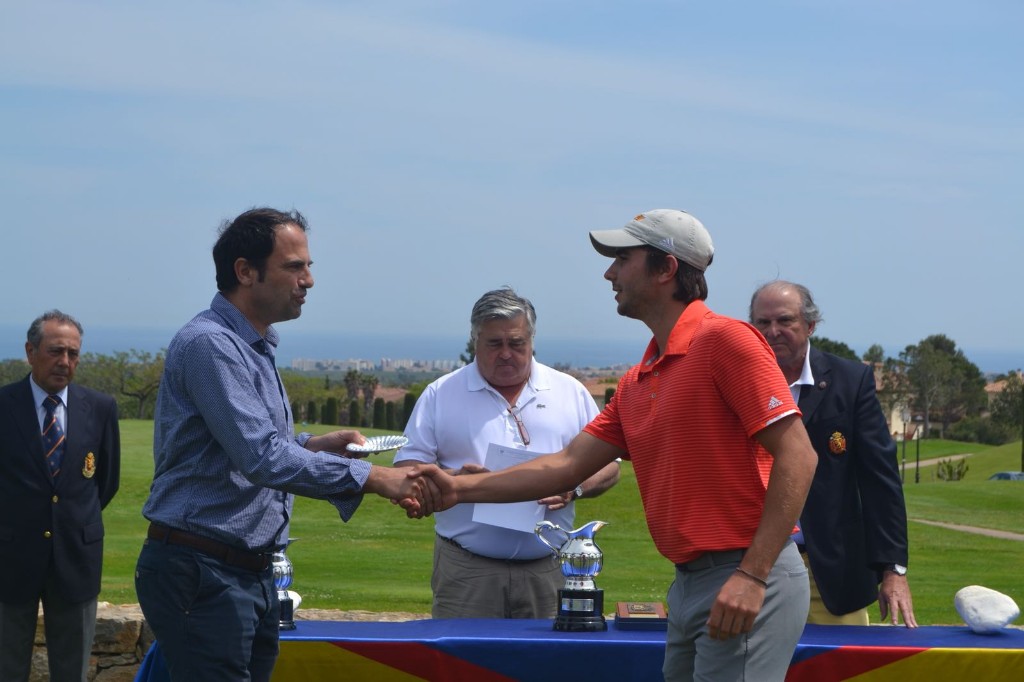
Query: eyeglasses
[[523, 433]]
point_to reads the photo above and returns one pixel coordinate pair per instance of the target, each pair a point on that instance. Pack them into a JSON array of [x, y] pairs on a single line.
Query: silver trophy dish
[[282, 566], [580, 601]]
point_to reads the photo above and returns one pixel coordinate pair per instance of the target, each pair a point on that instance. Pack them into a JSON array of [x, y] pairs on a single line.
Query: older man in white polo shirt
[[503, 401]]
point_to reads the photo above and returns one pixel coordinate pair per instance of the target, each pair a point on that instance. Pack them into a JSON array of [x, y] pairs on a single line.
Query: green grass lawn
[[381, 561]]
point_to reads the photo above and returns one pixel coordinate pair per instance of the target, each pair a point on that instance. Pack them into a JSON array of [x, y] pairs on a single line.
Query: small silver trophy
[[282, 581], [580, 602]]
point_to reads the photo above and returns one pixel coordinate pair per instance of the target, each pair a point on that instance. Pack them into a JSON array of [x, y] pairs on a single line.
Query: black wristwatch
[[898, 569]]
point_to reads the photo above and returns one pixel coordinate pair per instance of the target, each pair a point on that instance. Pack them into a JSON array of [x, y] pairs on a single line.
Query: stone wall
[[123, 637], [122, 640]]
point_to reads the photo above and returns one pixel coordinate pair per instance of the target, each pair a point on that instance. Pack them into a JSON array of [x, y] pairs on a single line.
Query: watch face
[[579, 491], [898, 569]]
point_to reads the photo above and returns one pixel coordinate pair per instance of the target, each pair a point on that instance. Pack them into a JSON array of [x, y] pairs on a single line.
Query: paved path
[[912, 461], [1004, 534]]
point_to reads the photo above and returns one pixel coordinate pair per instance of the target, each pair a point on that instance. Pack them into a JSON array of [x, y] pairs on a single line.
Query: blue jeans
[[214, 622]]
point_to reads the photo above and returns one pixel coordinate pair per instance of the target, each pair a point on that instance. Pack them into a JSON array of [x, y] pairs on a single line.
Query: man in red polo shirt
[[721, 457]]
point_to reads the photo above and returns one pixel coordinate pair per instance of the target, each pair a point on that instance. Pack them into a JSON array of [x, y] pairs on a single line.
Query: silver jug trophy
[[282, 581], [580, 602]]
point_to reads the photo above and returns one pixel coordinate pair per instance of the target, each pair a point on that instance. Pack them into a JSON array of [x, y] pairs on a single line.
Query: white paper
[[521, 516]]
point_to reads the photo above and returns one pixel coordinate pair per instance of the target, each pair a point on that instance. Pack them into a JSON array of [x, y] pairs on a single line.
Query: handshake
[[420, 490]]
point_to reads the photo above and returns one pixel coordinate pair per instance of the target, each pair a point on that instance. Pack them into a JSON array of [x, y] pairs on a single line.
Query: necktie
[[53, 435]]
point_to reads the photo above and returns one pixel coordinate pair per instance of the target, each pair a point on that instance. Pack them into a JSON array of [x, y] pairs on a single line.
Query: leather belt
[[232, 556], [712, 559]]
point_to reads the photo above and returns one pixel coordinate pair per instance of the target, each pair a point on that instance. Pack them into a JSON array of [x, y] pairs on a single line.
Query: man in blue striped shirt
[[227, 463]]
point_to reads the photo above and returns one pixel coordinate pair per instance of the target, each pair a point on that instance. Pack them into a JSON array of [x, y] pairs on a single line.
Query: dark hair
[[690, 282], [250, 236], [35, 330]]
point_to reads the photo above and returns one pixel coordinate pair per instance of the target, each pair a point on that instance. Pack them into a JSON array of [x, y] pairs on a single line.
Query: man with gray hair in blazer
[[60, 464]]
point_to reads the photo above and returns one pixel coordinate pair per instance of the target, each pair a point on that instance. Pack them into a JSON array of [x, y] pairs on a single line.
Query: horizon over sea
[[321, 345]]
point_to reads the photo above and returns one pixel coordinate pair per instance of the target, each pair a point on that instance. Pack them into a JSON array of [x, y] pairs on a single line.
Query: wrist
[[760, 581]]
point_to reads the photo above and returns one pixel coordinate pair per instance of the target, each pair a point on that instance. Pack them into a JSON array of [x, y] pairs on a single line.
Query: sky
[[873, 151]]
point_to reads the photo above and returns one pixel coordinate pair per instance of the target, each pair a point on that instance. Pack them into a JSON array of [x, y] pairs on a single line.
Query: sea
[[579, 353]]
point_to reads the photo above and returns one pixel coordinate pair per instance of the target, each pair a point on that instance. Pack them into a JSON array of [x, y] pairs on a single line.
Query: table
[[505, 650]]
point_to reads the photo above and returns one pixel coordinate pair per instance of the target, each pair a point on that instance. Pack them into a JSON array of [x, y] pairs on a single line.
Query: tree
[[133, 374], [391, 416], [368, 383], [379, 414], [355, 413], [943, 380], [352, 383], [964, 391], [875, 354], [839, 348], [893, 386], [302, 389], [311, 412], [1008, 407], [470, 353], [408, 402], [329, 415], [927, 369], [140, 378], [13, 370]]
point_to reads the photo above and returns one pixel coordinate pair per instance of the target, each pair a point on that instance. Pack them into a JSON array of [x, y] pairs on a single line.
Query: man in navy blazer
[[51, 529], [853, 528]]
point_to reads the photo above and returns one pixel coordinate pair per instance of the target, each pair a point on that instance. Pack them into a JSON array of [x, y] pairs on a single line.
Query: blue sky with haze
[[871, 150]]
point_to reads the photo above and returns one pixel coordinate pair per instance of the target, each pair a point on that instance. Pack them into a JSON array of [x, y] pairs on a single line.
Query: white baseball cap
[[674, 232]]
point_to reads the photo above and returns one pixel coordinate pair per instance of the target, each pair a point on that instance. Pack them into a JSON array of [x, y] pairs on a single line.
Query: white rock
[[985, 610]]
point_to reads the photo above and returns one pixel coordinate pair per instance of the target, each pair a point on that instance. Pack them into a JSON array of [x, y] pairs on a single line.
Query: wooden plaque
[[640, 615]]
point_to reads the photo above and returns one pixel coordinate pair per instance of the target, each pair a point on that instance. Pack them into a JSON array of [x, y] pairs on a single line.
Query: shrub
[[981, 430], [948, 470]]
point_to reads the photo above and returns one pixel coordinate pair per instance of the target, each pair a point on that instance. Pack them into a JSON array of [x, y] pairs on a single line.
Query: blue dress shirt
[[226, 459]]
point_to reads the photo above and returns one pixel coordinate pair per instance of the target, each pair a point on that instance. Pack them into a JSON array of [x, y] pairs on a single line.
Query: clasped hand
[[427, 489]]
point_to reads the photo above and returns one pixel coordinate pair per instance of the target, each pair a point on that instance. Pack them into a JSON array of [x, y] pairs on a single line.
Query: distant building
[[307, 365], [385, 365], [994, 388], [391, 365]]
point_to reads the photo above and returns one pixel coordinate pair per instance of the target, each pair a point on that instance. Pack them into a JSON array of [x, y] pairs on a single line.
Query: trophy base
[[580, 611], [287, 614]]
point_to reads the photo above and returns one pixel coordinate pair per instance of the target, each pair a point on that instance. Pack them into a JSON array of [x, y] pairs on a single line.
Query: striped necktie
[[53, 435]]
